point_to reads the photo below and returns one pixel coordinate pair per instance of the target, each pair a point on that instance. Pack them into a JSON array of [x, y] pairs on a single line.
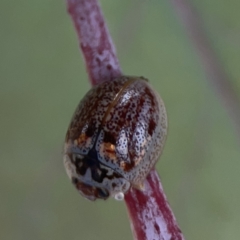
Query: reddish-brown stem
[[95, 41], [211, 64], [151, 216], [150, 213]]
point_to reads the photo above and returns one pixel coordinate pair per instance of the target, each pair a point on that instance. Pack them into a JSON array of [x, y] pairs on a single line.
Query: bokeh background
[[42, 79]]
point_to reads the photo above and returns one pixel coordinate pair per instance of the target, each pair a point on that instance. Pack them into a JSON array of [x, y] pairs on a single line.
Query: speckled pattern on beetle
[[115, 137]]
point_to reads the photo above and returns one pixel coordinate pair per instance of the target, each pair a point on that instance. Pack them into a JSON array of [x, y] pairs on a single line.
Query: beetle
[[115, 138]]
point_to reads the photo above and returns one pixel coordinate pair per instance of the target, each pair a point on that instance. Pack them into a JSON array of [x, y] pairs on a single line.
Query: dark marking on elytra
[[151, 95], [91, 162], [90, 130], [151, 126], [129, 166], [109, 138]]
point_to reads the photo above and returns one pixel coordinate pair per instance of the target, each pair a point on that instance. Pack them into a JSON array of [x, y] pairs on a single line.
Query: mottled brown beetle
[[115, 137]]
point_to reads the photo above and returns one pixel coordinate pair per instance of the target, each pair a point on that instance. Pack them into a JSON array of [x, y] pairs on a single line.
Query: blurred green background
[[42, 79]]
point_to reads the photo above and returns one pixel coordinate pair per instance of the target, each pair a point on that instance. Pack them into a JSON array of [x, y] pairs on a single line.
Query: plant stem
[[151, 216], [150, 213], [95, 41]]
